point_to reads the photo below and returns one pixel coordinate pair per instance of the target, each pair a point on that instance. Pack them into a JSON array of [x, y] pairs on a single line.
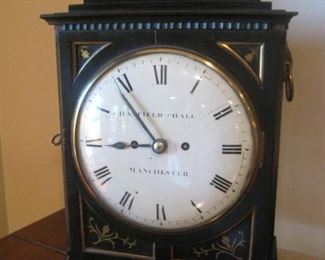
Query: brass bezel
[[256, 158]]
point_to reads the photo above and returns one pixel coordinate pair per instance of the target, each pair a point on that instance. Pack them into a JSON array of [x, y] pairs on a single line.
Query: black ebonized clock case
[[248, 39]]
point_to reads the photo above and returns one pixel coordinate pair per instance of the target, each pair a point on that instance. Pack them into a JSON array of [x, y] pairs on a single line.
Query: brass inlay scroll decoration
[[104, 234], [84, 52], [251, 55], [225, 246]]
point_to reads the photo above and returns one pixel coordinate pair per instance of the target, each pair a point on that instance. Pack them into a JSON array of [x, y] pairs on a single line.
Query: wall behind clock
[[30, 176], [300, 221], [30, 167]]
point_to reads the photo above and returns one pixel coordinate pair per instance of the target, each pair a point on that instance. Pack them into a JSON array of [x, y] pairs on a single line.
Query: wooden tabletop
[[44, 239]]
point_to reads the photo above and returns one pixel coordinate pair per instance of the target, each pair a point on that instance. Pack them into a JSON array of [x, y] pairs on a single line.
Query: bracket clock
[[170, 115]]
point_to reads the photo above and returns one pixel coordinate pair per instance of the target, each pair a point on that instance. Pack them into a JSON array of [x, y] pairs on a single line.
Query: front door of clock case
[[80, 55]]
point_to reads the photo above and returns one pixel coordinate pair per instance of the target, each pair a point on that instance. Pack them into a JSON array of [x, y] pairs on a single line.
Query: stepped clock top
[[182, 4], [105, 9]]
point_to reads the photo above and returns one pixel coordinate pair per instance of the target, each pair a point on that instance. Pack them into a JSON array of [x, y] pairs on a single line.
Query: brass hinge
[[56, 140]]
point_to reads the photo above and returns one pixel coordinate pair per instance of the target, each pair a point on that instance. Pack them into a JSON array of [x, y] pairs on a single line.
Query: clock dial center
[[159, 146]]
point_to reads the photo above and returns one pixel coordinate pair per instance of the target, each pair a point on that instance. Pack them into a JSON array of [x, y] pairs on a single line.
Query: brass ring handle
[[289, 84], [56, 140], [288, 76]]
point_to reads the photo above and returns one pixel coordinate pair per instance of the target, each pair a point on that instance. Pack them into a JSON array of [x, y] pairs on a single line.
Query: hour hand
[[123, 145], [118, 145], [135, 144]]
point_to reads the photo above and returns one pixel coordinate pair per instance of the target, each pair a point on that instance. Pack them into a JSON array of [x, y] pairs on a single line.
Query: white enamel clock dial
[[165, 140]]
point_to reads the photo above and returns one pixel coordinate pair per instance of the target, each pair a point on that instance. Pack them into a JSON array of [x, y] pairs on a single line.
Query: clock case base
[[107, 31]]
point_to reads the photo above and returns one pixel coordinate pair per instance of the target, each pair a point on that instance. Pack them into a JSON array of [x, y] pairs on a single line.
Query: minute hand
[[135, 113]]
